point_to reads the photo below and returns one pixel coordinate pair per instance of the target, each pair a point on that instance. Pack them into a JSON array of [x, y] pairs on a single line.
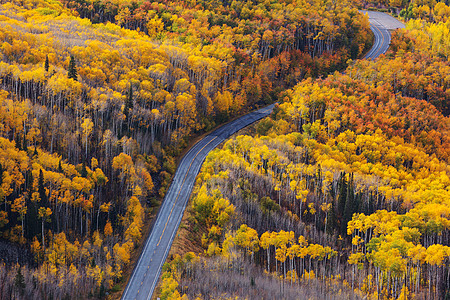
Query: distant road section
[[146, 273], [381, 23]]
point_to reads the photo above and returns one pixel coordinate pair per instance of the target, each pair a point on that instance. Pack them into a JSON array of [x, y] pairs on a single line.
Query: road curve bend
[[380, 24], [146, 273]]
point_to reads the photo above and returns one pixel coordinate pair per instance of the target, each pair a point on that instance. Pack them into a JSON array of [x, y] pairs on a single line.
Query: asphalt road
[[380, 24], [146, 273]]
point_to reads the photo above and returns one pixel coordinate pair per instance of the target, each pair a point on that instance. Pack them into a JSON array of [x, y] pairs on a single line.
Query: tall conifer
[[72, 69]]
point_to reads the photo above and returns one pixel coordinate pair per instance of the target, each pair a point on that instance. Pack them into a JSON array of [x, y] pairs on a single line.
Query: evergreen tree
[[72, 69], [46, 64], [29, 181], [342, 199], [18, 142], [331, 219], [83, 170], [19, 281]]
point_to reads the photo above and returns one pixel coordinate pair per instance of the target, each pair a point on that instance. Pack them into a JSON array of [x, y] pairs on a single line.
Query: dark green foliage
[[46, 64], [350, 206], [264, 126], [83, 170], [102, 292], [347, 204], [447, 295], [29, 181], [72, 69], [331, 219], [18, 142], [19, 281], [33, 225], [268, 205]]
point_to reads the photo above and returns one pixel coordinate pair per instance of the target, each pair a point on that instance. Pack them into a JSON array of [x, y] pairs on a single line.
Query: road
[[381, 23], [145, 276]]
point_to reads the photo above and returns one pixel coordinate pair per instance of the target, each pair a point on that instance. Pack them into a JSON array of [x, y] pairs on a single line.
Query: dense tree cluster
[[97, 99], [268, 27], [315, 37], [354, 166], [61, 211], [429, 10]]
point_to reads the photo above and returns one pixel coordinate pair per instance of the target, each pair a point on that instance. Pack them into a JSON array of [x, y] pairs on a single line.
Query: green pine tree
[[19, 281], [331, 219], [18, 142], [84, 170], [72, 69], [46, 64]]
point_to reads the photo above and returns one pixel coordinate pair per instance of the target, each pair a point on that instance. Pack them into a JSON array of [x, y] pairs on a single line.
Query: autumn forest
[[343, 192]]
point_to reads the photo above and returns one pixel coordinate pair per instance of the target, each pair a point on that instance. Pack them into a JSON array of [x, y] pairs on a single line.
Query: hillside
[[344, 192], [99, 98]]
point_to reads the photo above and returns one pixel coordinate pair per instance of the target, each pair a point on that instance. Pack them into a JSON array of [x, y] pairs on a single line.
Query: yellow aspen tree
[[87, 127]]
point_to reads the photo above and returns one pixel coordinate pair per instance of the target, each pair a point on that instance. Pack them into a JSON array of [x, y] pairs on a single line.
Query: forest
[[343, 193], [98, 100]]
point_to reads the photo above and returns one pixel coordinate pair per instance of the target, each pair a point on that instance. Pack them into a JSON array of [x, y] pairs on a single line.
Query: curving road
[[380, 24], [381, 42], [148, 268]]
